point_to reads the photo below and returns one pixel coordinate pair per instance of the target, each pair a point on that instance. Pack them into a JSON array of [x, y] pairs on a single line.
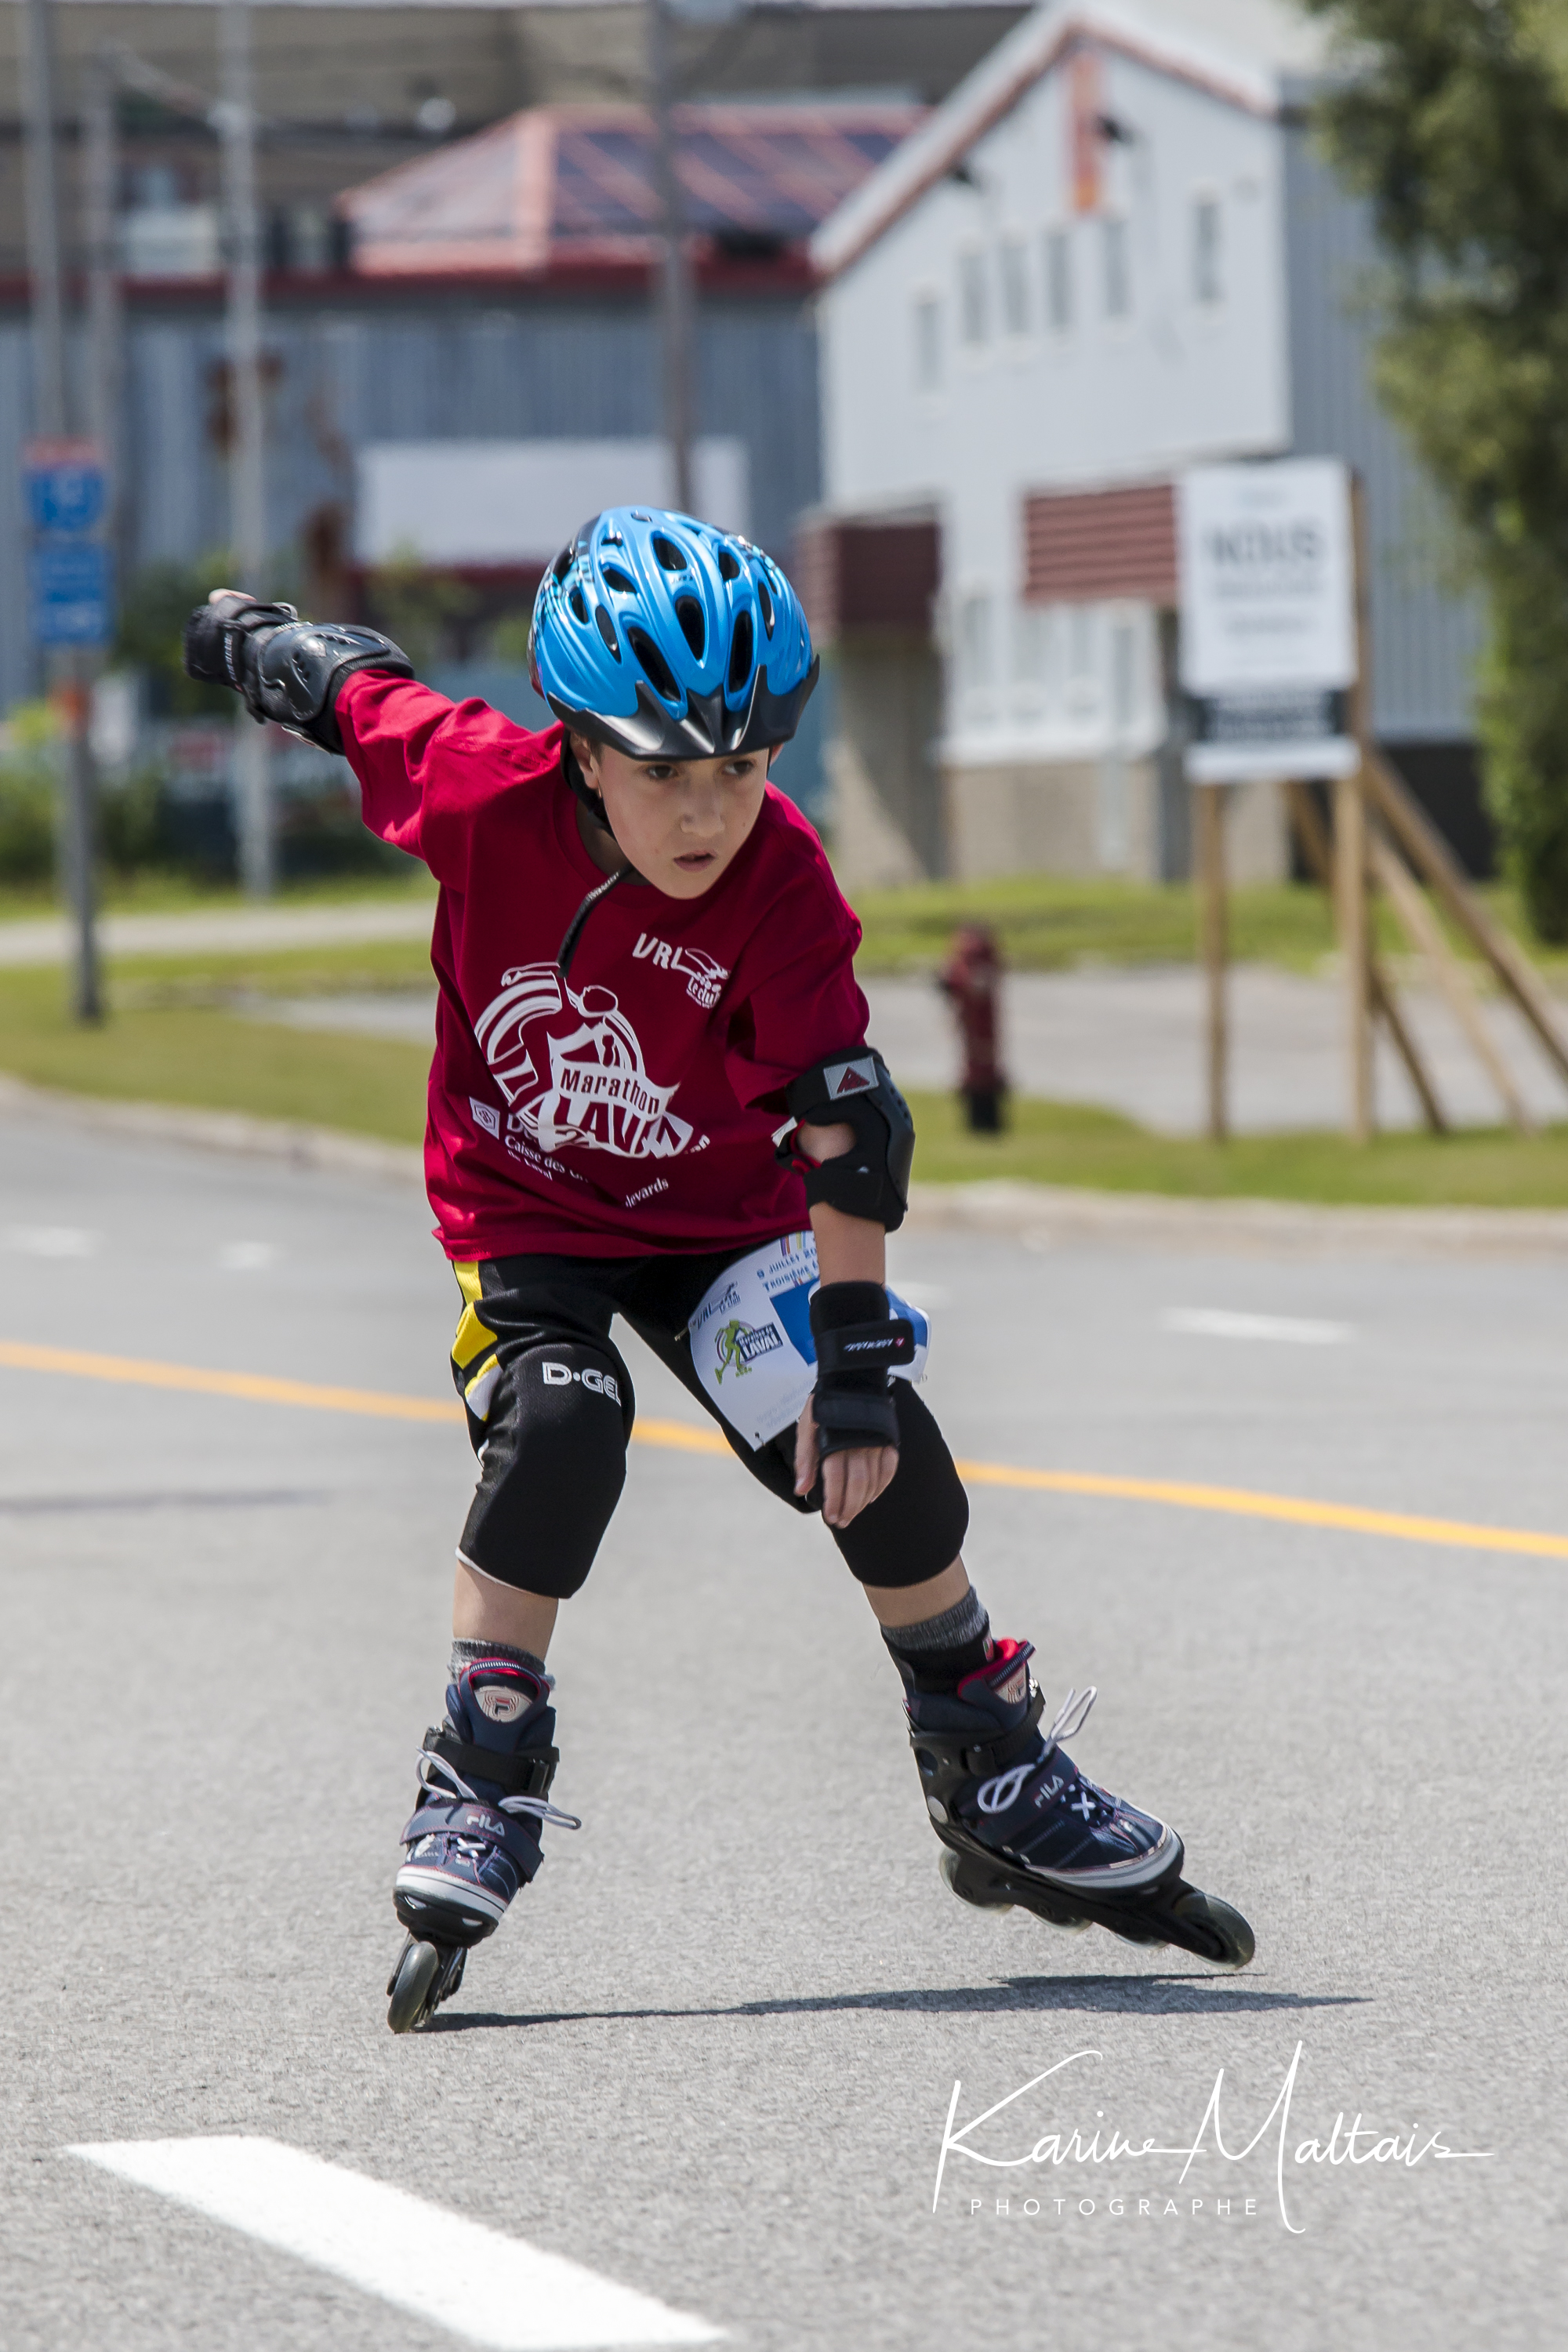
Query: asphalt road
[[712, 2055]]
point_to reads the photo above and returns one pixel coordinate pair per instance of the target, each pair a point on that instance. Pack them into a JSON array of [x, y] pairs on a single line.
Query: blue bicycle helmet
[[670, 640]]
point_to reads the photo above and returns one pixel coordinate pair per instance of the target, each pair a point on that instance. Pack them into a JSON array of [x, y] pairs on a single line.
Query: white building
[[1112, 253]]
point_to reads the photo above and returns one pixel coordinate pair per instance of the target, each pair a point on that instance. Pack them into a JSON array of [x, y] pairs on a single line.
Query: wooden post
[[1210, 799], [1355, 947], [1350, 847]]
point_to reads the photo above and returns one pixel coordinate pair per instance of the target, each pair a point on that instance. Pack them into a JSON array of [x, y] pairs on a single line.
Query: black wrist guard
[[871, 1180], [286, 670], [857, 1344]]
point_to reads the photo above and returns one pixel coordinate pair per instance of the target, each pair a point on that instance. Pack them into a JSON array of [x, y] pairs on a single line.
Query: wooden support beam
[[1431, 854], [1355, 946], [1318, 850], [1452, 978]]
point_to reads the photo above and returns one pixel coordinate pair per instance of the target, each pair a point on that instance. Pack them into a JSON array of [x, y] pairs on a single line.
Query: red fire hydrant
[[971, 981]]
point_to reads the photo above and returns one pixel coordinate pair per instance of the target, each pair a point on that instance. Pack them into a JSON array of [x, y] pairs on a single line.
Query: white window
[[973, 306], [1058, 280], [928, 344], [975, 642], [1013, 262], [1083, 682], [1209, 274], [1123, 679], [1116, 264], [1034, 658]]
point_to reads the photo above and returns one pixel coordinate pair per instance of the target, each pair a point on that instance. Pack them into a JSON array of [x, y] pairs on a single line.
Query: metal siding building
[[1426, 636]]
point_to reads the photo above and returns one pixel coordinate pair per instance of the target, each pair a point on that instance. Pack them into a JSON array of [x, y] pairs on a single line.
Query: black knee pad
[[552, 1466], [916, 1527]]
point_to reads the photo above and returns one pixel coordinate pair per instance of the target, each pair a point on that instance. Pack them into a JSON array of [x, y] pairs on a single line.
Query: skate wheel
[[951, 1868], [1227, 1940], [412, 1991]]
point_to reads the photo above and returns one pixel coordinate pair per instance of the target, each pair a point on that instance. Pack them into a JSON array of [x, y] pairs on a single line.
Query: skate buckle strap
[[432, 1766], [1003, 1789], [528, 1774], [996, 1755]]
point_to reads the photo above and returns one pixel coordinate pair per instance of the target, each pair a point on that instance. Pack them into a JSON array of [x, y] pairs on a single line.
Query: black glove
[[223, 640], [286, 670], [858, 1343]]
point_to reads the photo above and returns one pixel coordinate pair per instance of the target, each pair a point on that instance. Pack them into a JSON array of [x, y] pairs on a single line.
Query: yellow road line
[[689, 1437], [1244, 1503]]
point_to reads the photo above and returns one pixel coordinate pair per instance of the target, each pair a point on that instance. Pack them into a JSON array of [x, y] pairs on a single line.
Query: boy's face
[[679, 822]]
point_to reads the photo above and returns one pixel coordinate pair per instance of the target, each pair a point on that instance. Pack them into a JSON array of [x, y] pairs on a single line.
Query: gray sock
[[464, 1654], [959, 1628]]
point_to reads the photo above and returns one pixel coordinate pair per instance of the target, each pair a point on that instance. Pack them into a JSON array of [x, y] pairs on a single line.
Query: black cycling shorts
[[549, 1407]]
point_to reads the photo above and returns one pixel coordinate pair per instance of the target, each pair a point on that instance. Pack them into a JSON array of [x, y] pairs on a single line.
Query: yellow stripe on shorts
[[474, 1344]]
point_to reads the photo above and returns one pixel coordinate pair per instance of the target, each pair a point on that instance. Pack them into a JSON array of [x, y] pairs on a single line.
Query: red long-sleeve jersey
[[631, 1107]]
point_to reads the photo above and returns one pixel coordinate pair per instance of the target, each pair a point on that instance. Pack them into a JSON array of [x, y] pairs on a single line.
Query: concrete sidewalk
[[1131, 1041], [208, 930]]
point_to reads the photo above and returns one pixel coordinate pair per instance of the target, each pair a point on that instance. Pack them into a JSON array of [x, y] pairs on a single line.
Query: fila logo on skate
[[561, 1376], [857, 1077], [500, 1706], [703, 976]]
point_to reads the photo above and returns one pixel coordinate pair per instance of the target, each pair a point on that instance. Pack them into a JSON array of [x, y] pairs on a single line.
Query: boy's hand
[[850, 1480]]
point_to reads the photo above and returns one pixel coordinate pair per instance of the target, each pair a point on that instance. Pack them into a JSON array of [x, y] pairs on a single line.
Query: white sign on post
[[1269, 635]]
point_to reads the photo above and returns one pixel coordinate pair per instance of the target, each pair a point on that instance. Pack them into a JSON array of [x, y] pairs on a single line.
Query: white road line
[[52, 1241], [247, 1257], [1220, 1323], [473, 2281]]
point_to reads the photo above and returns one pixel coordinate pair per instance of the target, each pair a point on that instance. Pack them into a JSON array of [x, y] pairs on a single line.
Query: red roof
[[572, 187]]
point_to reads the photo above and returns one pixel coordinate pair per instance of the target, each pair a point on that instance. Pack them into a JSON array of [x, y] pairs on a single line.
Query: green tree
[[151, 637], [1451, 117]]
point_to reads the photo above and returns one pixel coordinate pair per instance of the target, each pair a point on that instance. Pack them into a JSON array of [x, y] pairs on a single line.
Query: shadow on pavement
[[1158, 1996]]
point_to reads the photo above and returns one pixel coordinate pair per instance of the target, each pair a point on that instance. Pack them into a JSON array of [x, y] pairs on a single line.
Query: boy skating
[[653, 1097]]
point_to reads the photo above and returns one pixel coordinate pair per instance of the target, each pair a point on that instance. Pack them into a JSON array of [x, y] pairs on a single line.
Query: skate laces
[[1004, 1789], [541, 1808]]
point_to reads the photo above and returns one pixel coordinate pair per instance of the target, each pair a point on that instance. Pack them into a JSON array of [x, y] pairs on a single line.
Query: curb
[[1047, 1216], [231, 1132], [1043, 1216]]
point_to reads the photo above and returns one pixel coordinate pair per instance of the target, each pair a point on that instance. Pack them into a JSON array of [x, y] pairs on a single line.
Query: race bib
[[752, 1344]]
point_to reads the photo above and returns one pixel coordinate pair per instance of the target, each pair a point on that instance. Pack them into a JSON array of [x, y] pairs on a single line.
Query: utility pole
[[71, 666], [105, 310], [678, 321], [248, 423]]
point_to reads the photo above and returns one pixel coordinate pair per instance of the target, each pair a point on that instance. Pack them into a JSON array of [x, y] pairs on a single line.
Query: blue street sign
[[64, 485], [69, 584]]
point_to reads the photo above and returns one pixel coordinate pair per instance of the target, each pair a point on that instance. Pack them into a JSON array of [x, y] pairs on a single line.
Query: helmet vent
[[740, 654], [607, 630], [621, 582], [766, 602], [564, 562], [671, 557], [729, 567], [655, 669], [578, 601], [693, 627]]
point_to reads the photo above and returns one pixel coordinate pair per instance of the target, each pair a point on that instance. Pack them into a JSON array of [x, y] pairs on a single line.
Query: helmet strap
[[592, 801]]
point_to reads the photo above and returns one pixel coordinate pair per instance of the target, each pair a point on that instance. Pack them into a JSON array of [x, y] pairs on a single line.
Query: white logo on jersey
[[703, 976], [570, 1065]]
